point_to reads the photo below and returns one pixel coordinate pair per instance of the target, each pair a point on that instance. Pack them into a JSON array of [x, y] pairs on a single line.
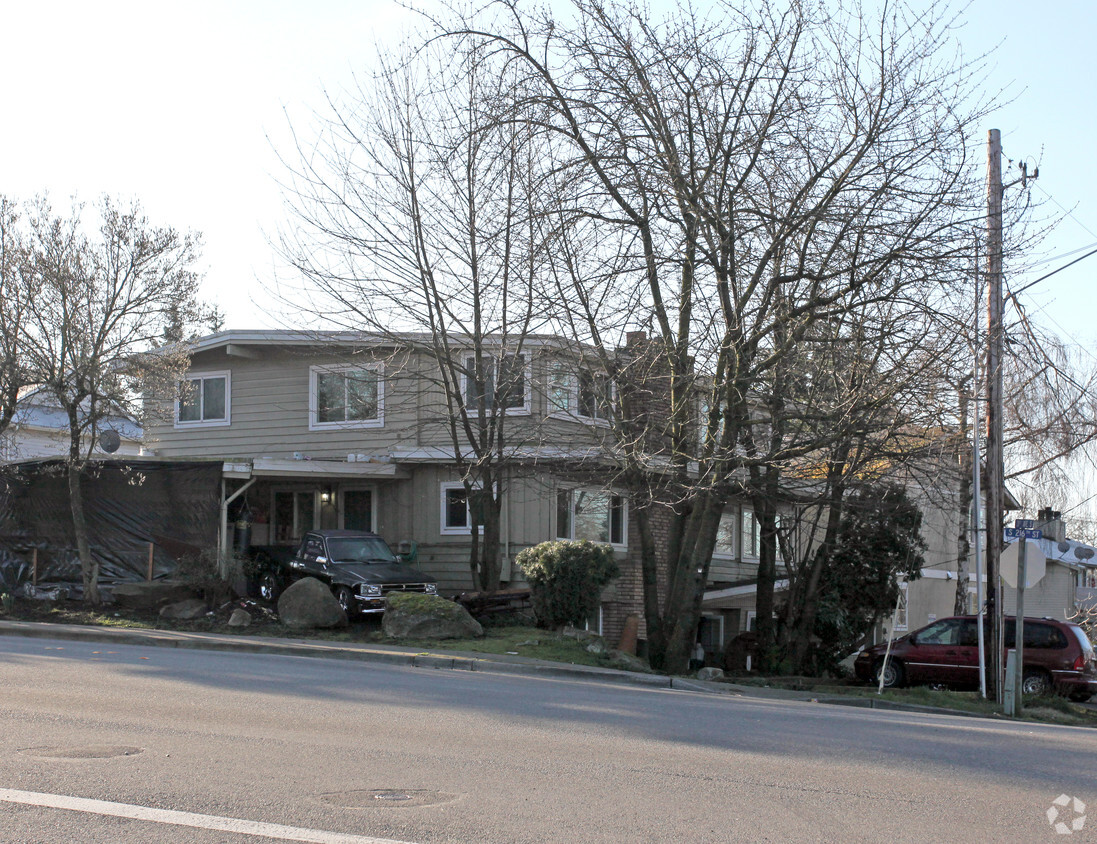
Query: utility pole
[[996, 344], [994, 456]]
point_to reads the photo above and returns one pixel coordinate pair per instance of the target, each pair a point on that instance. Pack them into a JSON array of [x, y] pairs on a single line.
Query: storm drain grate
[[404, 797], [87, 751]]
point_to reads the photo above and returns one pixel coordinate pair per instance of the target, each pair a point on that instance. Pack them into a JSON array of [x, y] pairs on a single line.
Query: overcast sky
[[184, 106]]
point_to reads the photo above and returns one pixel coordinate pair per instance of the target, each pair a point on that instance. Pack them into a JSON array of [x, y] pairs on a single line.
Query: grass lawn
[[515, 640], [1047, 709]]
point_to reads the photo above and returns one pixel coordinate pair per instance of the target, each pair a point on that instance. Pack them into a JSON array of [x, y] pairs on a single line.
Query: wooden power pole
[[994, 458]]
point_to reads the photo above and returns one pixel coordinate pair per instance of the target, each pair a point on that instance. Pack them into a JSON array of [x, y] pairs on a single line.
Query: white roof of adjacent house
[[38, 409]]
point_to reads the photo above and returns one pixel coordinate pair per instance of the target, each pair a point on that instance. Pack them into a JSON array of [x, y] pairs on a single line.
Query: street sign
[[1035, 564], [1024, 524], [1026, 533]]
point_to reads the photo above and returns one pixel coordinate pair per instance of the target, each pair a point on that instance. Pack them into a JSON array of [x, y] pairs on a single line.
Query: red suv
[[1058, 655]]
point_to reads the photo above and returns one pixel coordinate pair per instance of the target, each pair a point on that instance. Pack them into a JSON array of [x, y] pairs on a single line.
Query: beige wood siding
[[1052, 597]]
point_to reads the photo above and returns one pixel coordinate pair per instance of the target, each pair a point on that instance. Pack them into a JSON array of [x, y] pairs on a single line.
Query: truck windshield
[[359, 550]]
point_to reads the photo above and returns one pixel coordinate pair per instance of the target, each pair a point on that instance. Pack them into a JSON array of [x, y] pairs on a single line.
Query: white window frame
[[717, 620], [731, 516], [902, 617], [447, 530], [560, 375], [314, 396], [207, 423], [623, 544], [563, 383], [756, 534], [493, 359]]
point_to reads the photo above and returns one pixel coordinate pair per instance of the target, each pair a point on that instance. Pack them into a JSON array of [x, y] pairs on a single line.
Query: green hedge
[[566, 579]]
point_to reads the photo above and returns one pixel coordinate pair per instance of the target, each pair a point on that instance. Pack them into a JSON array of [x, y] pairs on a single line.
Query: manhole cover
[[89, 751], [365, 799]]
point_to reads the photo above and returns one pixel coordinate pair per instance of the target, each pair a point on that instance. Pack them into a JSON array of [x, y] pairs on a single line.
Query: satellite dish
[[1063, 547], [1083, 553], [109, 441]]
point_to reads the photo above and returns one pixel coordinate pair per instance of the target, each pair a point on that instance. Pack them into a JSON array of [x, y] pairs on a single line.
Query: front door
[[358, 509]]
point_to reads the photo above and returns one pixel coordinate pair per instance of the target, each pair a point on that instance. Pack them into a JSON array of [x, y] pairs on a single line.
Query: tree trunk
[[802, 618], [490, 564], [89, 567]]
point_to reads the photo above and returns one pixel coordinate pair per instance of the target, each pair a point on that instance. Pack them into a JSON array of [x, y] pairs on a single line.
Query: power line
[[1053, 272]]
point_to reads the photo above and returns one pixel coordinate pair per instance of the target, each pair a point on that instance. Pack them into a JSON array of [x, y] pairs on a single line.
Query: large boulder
[[187, 610], [309, 604], [628, 662], [411, 616], [151, 594]]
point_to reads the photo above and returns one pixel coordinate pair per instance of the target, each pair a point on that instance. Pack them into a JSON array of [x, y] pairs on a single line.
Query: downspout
[[224, 537]]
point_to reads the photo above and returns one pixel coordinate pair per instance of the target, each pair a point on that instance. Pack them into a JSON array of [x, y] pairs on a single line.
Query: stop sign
[[1035, 563]]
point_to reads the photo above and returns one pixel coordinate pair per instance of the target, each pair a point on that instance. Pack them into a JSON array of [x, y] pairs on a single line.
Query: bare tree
[[102, 300], [748, 174], [16, 295], [419, 217]]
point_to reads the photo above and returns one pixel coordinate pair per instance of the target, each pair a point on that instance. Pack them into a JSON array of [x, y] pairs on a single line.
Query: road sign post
[[1019, 632], [1018, 570]]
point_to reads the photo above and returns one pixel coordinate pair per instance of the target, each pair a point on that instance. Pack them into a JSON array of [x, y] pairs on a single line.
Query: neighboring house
[[1070, 582], [40, 429], [338, 430]]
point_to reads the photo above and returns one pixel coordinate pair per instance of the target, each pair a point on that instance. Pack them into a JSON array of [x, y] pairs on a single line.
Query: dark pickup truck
[[359, 567]]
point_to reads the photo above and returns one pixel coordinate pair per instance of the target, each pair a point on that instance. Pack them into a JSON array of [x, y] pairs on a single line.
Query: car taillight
[[1080, 662]]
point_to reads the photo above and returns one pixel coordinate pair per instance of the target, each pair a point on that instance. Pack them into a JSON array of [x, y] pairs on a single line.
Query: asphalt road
[[104, 743]]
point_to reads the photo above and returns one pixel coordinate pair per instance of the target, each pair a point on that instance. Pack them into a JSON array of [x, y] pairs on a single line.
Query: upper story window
[[751, 534], [591, 514], [585, 394], [204, 399], [346, 397], [505, 378], [725, 547]]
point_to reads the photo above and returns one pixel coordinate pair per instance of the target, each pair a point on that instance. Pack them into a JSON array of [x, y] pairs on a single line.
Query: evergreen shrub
[[566, 579]]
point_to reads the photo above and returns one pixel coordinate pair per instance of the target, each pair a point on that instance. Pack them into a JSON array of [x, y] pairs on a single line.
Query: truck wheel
[[346, 599], [268, 588]]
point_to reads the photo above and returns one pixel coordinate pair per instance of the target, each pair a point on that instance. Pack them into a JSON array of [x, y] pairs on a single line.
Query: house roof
[[38, 409], [296, 337]]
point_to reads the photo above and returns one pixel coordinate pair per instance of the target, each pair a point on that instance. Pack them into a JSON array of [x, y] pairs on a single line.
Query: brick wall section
[[644, 374], [628, 593]]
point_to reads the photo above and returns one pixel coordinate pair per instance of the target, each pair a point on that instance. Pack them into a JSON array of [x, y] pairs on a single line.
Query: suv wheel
[[893, 673], [1035, 682]]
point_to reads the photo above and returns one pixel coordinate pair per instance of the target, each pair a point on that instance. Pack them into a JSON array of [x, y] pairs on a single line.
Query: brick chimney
[[1051, 523]]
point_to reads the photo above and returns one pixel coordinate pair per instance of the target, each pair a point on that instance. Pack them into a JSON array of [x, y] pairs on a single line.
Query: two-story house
[[347, 431]]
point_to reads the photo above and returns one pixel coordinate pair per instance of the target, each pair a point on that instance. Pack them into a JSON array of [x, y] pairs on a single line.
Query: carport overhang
[[737, 596], [251, 471]]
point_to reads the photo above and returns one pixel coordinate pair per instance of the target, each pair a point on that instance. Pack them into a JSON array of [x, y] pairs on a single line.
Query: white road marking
[[144, 813]]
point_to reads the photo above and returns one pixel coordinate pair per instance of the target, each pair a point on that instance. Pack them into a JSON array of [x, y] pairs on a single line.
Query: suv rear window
[[1037, 635], [1083, 640]]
